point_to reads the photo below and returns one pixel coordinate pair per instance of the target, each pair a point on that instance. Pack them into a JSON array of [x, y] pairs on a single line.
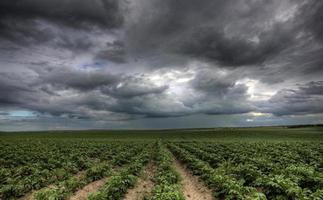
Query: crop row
[[222, 184], [99, 170], [35, 167], [277, 180], [119, 182], [167, 186]]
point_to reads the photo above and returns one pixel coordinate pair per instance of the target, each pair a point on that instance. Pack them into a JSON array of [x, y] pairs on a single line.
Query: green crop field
[[279, 163]]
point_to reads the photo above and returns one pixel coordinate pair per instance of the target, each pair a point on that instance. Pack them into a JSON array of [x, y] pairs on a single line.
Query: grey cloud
[[84, 14], [31, 22], [130, 87], [230, 100], [312, 18], [231, 33], [222, 94], [67, 77], [155, 105], [213, 45], [61, 91], [137, 95], [106, 60], [213, 81], [75, 44], [312, 88], [13, 90], [22, 32], [305, 99], [43, 92], [115, 52]]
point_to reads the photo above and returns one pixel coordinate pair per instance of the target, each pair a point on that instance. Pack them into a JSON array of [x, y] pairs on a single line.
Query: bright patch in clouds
[[21, 113], [256, 90], [258, 114]]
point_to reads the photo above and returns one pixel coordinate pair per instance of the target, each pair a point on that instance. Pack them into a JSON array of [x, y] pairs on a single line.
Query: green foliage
[[49, 194], [278, 171], [167, 180], [167, 192], [97, 171], [33, 165], [260, 163], [121, 181]]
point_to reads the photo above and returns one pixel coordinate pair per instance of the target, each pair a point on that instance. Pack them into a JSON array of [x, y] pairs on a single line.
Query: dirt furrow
[[30, 195], [193, 188], [144, 185], [83, 193]]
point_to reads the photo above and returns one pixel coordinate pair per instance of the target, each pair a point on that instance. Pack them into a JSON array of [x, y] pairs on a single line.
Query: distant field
[[279, 163], [314, 134]]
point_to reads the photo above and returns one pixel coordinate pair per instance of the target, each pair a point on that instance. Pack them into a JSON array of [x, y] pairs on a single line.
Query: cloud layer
[[105, 62]]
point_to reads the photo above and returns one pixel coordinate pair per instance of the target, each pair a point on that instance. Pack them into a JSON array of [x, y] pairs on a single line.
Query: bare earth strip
[[30, 195], [144, 185], [83, 193], [193, 188]]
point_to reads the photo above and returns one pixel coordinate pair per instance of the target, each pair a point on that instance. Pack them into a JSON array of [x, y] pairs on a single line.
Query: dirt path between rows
[[30, 195], [144, 185], [192, 187], [83, 193]]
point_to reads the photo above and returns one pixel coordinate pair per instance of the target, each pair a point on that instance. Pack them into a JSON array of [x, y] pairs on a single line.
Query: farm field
[[279, 163]]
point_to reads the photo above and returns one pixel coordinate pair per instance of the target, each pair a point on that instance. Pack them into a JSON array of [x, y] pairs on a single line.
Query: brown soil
[[192, 187], [83, 193], [30, 195], [144, 185]]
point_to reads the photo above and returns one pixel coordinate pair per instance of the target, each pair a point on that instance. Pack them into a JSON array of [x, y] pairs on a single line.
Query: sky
[[145, 64]]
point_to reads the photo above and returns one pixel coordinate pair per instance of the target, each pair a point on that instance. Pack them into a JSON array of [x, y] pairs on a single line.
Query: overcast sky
[[83, 64]]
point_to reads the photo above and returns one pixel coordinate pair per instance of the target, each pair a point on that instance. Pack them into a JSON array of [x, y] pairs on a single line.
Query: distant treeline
[[305, 125]]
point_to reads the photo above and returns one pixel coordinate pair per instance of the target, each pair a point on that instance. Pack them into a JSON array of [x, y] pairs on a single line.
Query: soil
[[192, 187], [30, 195], [83, 193], [144, 185]]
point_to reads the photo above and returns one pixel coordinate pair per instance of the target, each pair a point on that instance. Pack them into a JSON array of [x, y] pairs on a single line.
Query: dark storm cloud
[[13, 89], [42, 92], [79, 14], [80, 94], [312, 14], [107, 60], [31, 22], [114, 51], [71, 78], [22, 32], [305, 99], [75, 44], [231, 33], [213, 45], [221, 94], [312, 88], [213, 82]]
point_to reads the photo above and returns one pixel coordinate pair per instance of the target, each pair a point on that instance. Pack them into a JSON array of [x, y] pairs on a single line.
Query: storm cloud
[[109, 63], [305, 99]]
